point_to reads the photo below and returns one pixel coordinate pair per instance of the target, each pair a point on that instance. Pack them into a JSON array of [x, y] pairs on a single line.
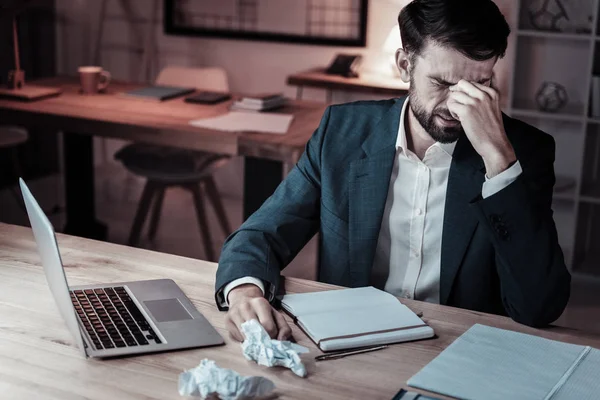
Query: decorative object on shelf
[[551, 97], [547, 15], [573, 16], [16, 87]]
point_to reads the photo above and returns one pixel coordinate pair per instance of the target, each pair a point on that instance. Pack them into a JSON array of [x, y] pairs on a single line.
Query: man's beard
[[427, 120]]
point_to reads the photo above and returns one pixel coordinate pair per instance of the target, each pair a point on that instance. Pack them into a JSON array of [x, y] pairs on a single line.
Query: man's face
[[432, 74]]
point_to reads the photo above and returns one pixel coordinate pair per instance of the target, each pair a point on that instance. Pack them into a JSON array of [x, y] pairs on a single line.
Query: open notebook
[[491, 363], [350, 318]]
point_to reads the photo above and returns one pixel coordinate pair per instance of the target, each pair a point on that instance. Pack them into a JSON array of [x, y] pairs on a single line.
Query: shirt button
[[417, 254], [419, 211], [407, 296]]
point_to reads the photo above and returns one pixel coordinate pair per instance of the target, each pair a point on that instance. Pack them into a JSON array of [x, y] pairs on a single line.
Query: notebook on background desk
[[352, 318], [497, 364], [158, 93]]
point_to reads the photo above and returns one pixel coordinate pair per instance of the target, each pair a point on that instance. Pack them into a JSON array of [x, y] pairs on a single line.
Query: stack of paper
[[261, 102], [236, 121]]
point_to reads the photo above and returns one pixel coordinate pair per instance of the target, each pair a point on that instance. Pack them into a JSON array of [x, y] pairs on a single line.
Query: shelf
[[564, 188], [594, 120], [568, 195], [572, 113], [554, 35], [590, 193], [584, 277], [589, 266]]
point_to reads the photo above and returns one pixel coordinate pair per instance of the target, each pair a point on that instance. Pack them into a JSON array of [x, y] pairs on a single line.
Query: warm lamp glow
[[392, 43]]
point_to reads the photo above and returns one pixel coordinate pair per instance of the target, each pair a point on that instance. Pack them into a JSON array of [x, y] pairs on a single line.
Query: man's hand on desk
[[246, 302]]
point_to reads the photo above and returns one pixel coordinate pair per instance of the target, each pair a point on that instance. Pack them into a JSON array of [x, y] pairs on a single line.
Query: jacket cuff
[[228, 275], [491, 186]]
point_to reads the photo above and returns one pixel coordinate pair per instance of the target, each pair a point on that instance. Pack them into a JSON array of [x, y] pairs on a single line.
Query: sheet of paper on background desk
[[240, 121]]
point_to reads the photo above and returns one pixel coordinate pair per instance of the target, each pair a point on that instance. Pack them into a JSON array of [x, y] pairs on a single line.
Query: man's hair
[[476, 28]]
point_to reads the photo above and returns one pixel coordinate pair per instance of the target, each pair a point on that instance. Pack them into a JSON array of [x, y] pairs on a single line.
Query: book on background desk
[[263, 98], [497, 364], [260, 102], [352, 318], [158, 93]]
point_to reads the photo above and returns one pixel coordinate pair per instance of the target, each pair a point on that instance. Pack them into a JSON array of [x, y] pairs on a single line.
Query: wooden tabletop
[[38, 358], [111, 115], [366, 82]]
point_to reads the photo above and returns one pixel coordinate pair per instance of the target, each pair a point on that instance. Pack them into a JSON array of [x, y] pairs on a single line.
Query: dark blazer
[[499, 255]]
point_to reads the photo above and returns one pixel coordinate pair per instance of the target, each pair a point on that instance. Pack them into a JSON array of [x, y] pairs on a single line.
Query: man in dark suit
[[437, 196]]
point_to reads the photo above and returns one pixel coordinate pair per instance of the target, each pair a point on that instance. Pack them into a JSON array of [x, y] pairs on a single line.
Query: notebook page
[[353, 321], [496, 364], [240, 121], [336, 300], [376, 339]]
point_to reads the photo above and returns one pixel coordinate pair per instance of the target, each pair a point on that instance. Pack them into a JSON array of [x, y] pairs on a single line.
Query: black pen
[[342, 354]]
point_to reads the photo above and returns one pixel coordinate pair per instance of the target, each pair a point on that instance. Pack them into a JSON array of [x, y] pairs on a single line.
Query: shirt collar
[[401, 143]]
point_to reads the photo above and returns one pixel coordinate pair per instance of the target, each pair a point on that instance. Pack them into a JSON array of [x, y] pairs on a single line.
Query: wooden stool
[[165, 167]]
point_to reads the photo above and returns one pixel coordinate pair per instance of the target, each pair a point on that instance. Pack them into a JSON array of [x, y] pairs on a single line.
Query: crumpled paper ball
[[258, 346], [208, 379]]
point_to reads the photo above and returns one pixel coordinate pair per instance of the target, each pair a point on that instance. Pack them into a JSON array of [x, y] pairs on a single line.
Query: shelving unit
[[570, 59]]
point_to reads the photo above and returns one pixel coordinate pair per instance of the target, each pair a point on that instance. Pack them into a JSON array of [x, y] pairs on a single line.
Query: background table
[[366, 82], [38, 358], [165, 123]]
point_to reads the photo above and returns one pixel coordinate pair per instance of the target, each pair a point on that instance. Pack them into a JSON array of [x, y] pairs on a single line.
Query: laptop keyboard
[[112, 319]]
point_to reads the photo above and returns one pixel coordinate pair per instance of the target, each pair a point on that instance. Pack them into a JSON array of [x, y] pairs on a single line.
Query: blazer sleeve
[[270, 239], [535, 283]]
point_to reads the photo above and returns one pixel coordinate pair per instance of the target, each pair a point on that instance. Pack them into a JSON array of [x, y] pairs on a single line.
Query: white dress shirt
[[408, 256]]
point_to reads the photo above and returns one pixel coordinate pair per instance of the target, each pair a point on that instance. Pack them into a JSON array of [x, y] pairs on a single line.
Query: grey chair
[[166, 167]]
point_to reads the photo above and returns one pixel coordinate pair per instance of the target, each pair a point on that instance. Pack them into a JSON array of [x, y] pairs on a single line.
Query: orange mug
[[93, 79]]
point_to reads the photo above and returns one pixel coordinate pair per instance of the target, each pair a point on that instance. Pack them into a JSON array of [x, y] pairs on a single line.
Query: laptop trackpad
[[167, 310]]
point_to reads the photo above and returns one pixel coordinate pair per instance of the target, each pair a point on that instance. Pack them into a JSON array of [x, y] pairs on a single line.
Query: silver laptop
[[118, 319]]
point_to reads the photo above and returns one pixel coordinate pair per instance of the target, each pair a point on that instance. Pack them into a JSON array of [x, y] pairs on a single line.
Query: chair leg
[[16, 163], [215, 199], [142, 212], [201, 214], [155, 219], [18, 171]]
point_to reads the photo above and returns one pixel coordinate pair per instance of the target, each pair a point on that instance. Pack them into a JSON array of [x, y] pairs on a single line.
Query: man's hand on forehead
[[477, 107]]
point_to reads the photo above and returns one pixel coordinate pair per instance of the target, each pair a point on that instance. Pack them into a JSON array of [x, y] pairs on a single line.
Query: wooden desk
[[163, 123], [38, 360], [366, 83]]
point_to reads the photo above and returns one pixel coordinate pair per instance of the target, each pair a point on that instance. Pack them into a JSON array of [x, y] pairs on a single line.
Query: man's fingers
[[285, 332], [233, 324], [493, 93], [456, 109], [265, 317], [463, 98], [247, 312], [468, 88]]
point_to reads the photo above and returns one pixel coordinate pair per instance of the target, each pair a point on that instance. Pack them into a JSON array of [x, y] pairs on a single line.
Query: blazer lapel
[[369, 179], [465, 181]]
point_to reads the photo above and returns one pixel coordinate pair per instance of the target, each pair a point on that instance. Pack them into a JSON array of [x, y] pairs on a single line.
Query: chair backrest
[[213, 78]]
